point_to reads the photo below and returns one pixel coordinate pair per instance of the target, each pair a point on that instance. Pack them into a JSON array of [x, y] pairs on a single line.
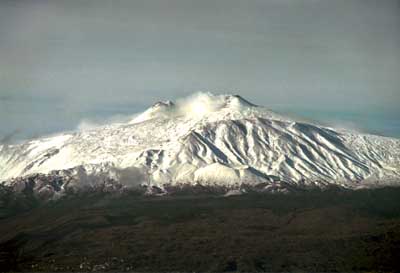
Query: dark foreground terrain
[[315, 231]]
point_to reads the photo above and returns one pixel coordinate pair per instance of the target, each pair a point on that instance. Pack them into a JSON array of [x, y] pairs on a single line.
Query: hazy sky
[[62, 61]]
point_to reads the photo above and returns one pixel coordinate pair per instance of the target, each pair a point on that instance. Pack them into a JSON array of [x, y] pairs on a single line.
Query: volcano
[[212, 140]]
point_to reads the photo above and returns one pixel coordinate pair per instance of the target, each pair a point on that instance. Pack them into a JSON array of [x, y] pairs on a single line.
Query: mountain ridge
[[205, 139]]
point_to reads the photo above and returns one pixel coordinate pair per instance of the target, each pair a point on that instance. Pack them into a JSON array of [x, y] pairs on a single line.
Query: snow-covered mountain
[[210, 140]]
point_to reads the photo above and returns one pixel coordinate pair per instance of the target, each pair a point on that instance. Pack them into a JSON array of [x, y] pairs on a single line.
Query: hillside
[[209, 140]]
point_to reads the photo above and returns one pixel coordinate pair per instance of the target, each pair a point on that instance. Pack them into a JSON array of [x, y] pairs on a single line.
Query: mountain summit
[[210, 140]]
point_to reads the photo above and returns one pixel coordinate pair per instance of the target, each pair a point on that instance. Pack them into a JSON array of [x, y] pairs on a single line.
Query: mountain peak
[[211, 139], [198, 105], [165, 103], [240, 100]]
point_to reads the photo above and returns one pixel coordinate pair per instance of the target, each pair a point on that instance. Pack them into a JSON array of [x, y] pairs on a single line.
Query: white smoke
[[200, 104], [344, 125], [91, 124], [194, 106], [131, 177], [197, 105]]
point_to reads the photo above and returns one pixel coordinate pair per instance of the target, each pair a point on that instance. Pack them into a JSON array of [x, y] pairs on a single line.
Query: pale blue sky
[[64, 61]]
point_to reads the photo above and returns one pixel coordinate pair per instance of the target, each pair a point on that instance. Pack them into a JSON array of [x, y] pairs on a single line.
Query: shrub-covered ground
[[333, 230]]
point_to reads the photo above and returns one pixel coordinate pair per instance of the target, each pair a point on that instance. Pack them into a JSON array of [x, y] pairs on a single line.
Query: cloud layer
[[62, 61]]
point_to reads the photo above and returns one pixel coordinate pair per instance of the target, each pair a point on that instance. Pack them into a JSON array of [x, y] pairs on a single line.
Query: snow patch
[[219, 140]]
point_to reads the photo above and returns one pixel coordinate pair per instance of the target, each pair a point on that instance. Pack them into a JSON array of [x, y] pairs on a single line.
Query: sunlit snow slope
[[214, 140]]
